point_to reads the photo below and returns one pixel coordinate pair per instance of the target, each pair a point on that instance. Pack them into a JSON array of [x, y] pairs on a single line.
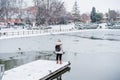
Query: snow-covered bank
[[100, 34], [30, 33], [55, 29]]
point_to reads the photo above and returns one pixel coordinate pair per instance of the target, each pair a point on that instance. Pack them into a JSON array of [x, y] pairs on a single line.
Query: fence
[[31, 32]]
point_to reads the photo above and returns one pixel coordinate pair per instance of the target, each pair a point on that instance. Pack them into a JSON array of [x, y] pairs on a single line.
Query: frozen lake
[[93, 55]]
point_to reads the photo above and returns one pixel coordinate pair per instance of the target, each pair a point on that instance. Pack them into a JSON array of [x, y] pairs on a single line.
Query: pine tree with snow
[[76, 12]]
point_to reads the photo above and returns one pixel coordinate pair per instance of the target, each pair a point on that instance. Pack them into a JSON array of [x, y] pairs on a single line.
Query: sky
[[85, 6]]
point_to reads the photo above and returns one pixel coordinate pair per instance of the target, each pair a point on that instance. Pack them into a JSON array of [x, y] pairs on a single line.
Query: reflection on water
[[9, 63], [19, 59]]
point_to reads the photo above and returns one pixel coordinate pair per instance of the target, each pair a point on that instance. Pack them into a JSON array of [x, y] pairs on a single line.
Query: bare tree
[[85, 17], [112, 15], [2, 8], [7, 8], [49, 11]]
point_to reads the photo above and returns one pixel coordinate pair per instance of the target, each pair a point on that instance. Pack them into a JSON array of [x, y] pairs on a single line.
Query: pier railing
[[32, 32], [1, 71]]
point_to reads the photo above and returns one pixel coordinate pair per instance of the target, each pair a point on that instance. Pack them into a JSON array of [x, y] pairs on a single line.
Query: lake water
[[91, 58]]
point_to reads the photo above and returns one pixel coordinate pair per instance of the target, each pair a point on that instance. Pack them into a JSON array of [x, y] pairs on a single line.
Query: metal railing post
[[2, 69]]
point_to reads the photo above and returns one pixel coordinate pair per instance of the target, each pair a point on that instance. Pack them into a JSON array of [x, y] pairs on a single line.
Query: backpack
[[57, 48]]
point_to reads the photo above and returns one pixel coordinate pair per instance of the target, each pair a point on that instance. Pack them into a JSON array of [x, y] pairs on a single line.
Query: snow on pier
[[37, 70]]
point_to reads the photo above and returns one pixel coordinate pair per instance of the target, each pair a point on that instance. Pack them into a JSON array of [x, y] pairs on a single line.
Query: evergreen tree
[[76, 12], [93, 15], [99, 17]]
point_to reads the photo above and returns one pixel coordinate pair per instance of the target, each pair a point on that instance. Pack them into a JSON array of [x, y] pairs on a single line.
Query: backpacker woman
[[58, 51]]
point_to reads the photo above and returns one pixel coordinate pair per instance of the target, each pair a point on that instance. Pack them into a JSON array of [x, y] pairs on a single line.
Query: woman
[[58, 51]]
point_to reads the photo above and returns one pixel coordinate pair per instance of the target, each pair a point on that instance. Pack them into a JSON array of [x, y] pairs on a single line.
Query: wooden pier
[[36, 70]]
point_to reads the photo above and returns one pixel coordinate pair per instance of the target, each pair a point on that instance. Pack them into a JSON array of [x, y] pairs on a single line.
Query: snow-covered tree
[[76, 12]]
